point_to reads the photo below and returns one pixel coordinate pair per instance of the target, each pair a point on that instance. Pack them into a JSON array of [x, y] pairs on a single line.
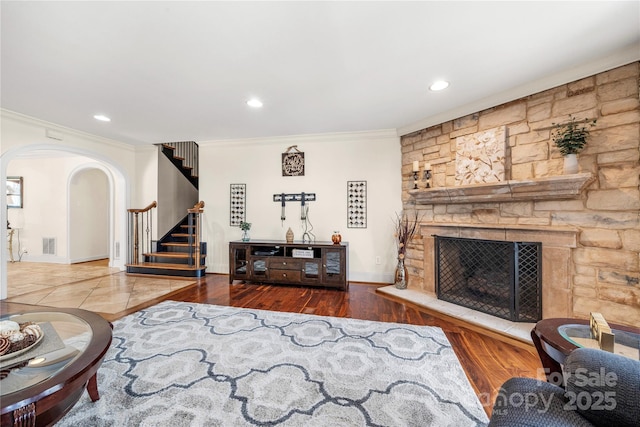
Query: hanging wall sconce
[[427, 175]]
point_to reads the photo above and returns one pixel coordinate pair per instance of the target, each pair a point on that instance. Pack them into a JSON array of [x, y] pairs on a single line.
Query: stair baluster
[[184, 156], [138, 235], [194, 233]]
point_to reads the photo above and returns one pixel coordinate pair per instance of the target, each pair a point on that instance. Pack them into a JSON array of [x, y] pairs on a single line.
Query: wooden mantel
[[548, 188]]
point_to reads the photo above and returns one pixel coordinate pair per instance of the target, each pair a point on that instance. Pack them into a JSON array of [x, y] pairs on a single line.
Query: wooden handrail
[[151, 206], [197, 208], [140, 231]]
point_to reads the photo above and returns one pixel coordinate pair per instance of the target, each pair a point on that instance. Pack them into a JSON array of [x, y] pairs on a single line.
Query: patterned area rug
[[184, 364]]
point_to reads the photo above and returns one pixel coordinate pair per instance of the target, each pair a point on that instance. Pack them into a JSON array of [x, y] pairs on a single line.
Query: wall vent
[[54, 134], [117, 254], [48, 246]]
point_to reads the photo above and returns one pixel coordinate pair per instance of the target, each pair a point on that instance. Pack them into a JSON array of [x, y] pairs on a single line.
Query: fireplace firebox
[[495, 277]]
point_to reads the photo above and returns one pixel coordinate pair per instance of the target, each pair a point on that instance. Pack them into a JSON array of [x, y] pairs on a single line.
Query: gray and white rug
[[184, 364]]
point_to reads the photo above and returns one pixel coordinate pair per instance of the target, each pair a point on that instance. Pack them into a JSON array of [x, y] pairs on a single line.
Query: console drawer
[[285, 275], [285, 264]]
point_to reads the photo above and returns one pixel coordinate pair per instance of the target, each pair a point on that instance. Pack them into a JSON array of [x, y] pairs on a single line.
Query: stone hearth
[[481, 321]]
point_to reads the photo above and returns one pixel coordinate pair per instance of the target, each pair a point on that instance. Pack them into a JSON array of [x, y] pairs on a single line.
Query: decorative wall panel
[[237, 203], [357, 204]]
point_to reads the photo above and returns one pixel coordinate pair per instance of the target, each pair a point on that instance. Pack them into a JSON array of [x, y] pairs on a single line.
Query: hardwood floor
[[487, 360]]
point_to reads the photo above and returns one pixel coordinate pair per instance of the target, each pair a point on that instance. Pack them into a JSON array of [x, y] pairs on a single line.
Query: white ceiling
[[174, 71]]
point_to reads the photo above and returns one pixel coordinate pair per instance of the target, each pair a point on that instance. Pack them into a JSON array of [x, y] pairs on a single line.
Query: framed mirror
[[14, 192]]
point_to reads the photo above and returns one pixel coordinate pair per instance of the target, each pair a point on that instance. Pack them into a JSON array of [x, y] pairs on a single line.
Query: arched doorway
[[117, 194]]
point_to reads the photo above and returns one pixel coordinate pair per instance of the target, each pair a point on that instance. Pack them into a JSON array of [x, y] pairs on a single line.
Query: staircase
[[184, 156], [180, 252]]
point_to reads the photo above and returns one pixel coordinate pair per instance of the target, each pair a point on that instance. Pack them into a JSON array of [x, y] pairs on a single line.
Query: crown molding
[[60, 130], [344, 137], [147, 148]]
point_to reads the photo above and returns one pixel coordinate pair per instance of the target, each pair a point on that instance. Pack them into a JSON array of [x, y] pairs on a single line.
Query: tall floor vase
[[402, 275]]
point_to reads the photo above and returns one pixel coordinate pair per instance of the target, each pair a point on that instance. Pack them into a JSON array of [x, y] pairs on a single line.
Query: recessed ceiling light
[[254, 102], [102, 118], [439, 85]]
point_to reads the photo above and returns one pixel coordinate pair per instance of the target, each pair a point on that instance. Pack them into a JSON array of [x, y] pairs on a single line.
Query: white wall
[[146, 182], [330, 161]]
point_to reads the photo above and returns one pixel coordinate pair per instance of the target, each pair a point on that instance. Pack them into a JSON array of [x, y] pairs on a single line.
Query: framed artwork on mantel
[[14, 192], [480, 157]]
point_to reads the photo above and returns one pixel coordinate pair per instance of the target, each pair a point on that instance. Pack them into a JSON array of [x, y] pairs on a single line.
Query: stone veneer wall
[[604, 266]]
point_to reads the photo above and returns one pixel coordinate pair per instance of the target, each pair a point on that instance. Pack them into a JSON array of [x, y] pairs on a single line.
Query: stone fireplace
[[588, 223]]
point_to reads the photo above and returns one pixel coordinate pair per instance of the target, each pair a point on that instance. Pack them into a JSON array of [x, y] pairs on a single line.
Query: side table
[[553, 342]]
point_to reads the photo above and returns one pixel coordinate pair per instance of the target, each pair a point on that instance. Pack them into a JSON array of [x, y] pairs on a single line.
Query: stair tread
[[167, 266], [182, 234], [171, 254], [181, 244]]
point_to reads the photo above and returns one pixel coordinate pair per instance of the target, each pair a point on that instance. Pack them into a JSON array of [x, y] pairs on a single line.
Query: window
[[14, 191]]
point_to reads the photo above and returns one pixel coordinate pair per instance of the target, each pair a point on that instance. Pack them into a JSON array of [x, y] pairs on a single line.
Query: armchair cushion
[[603, 387], [527, 402]]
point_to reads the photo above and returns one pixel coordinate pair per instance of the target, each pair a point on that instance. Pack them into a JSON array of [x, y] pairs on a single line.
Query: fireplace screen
[[496, 277]]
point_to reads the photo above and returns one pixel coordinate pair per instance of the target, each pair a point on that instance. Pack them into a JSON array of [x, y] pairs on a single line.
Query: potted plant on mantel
[[570, 138]]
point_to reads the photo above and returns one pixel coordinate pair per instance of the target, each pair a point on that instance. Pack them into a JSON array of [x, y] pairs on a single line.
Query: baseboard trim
[[87, 259]]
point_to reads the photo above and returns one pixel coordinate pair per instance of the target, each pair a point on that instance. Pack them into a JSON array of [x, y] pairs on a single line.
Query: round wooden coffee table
[[554, 345], [40, 390]]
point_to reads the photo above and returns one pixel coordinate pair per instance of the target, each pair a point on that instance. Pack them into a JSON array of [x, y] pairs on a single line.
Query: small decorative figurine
[[336, 238]]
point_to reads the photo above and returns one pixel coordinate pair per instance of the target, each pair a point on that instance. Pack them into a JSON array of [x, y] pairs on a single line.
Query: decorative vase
[[402, 275], [336, 238], [570, 164], [245, 235], [289, 235]]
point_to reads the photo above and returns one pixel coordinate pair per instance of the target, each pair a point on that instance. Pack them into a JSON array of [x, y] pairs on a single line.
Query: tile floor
[[91, 286]]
